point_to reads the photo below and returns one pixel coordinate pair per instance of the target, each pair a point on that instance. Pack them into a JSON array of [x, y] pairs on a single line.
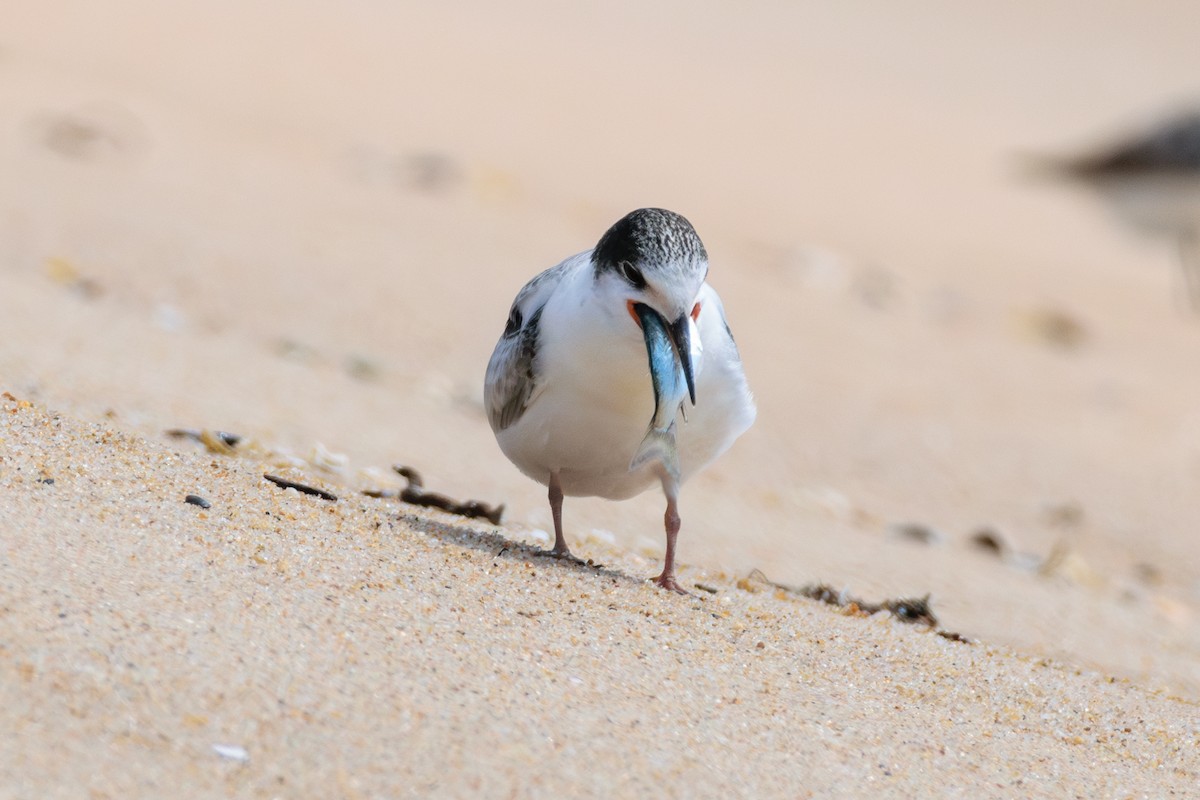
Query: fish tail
[[658, 446]]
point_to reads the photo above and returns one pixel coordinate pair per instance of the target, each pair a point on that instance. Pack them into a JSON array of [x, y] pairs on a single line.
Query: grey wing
[[511, 378], [512, 372]]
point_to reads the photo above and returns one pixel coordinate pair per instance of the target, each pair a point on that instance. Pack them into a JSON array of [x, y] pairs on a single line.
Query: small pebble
[[916, 532], [1054, 327], [197, 500], [1148, 574], [363, 368], [1064, 515], [989, 539]]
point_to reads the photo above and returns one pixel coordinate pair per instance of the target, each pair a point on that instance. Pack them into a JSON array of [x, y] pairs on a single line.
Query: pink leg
[[556, 499], [671, 519], [560, 550]]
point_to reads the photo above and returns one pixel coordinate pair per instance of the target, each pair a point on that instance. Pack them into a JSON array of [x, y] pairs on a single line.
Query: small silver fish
[[671, 353]]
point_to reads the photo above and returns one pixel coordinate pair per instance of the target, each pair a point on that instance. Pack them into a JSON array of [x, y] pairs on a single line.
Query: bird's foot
[[565, 555], [668, 582]]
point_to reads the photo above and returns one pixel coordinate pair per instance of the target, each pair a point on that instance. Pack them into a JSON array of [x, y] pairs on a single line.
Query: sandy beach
[[303, 223]]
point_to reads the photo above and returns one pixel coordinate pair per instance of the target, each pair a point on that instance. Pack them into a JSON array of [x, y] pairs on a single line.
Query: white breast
[[595, 397]]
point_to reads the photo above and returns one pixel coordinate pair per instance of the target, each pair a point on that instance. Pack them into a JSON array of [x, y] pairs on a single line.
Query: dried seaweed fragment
[[284, 483], [912, 611], [415, 494]]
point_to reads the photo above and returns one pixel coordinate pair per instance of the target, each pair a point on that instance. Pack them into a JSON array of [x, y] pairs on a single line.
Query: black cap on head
[[650, 239]]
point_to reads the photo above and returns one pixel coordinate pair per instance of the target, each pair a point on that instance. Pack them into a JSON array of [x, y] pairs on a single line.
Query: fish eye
[[632, 275]]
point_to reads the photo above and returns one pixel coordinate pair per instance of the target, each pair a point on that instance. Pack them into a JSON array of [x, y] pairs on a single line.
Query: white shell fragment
[[233, 752]]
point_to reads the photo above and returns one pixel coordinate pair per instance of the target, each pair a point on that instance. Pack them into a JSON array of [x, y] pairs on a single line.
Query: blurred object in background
[[1152, 180]]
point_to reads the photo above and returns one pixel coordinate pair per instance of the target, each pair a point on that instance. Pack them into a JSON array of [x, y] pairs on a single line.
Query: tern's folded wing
[[510, 374]]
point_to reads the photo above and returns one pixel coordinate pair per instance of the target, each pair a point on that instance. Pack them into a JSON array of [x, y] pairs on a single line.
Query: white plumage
[[570, 391]]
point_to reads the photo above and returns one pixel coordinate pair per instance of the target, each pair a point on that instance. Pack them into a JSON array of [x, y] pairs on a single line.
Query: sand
[[303, 223]]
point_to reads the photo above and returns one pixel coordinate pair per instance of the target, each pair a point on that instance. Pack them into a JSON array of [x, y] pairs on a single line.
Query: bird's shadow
[[500, 546]]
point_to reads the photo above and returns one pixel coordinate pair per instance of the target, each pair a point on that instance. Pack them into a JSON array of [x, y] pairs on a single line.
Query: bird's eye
[[632, 274], [514, 322]]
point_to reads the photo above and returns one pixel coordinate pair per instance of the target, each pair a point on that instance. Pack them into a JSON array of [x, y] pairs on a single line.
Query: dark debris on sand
[[416, 495], [909, 610], [284, 483]]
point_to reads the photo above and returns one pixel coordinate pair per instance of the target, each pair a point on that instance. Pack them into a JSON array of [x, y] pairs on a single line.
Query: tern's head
[[655, 257], [652, 261]]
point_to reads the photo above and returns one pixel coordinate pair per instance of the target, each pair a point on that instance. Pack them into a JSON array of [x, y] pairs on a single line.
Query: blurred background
[[305, 221]]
